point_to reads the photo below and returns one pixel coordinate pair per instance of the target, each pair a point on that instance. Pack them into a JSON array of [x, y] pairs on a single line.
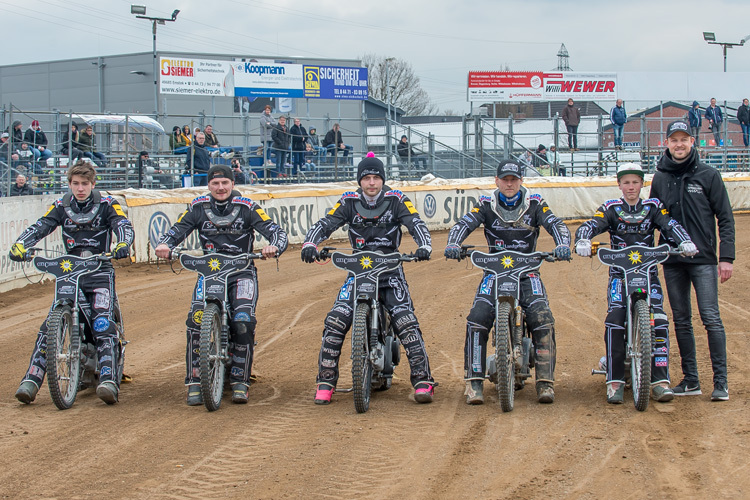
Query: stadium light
[[140, 13], [710, 38]]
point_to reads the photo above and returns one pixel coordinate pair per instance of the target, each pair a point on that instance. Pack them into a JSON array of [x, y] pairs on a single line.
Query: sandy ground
[[281, 445]]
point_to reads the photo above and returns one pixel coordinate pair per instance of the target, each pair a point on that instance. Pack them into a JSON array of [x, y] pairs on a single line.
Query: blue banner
[[334, 82]]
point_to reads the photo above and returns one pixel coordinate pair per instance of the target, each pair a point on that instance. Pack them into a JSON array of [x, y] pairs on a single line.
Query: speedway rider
[[88, 220], [226, 223], [511, 219], [374, 214], [632, 221]]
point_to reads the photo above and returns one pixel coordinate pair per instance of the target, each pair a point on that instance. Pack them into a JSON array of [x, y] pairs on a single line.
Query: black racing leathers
[[227, 228], [514, 229], [695, 195], [633, 225], [97, 297], [375, 227]]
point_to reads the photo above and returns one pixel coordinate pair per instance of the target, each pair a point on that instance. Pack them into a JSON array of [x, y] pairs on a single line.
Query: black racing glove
[[309, 253], [423, 253], [452, 252], [121, 251]]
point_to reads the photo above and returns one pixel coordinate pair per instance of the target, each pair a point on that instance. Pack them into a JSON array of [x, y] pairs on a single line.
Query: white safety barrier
[[295, 208]]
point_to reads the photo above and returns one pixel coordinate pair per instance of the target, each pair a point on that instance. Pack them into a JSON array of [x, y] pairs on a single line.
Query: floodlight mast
[[710, 38], [140, 13]]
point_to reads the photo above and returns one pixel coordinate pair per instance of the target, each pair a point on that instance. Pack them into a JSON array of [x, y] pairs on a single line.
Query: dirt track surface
[[281, 445]]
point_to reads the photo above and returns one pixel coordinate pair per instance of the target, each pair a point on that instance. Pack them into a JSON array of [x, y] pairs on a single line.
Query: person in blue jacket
[[714, 118], [619, 117], [695, 119]]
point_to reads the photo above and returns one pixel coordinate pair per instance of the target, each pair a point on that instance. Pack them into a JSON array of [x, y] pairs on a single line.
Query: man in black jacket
[[695, 196], [335, 143], [374, 214], [226, 223], [21, 187], [281, 140], [202, 160], [743, 115], [299, 140]]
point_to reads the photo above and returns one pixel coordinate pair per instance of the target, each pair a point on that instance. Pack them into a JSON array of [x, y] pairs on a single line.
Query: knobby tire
[[640, 366], [63, 357], [211, 364], [361, 366], [504, 356]]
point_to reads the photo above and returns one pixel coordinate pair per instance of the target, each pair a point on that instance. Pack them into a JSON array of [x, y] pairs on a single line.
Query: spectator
[[178, 143], [743, 115], [695, 119], [37, 139], [25, 157], [87, 141], [299, 140], [553, 157], [618, 117], [333, 142], [406, 152], [4, 147], [211, 140], [572, 118], [188, 136], [147, 167], [310, 154], [525, 159], [280, 136], [239, 174], [695, 196], [539, 160], [267, 124], [16, 134], [71, 139], [21, 187], [202, 160], [714, 118], [314, 141]]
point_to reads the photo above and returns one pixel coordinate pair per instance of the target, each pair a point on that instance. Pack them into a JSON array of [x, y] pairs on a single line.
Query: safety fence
[[295, 208]]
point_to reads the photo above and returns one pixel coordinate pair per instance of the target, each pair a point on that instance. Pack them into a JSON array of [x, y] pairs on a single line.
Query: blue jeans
[[705, 279], [618, 130], [281, 157], [745, 133]]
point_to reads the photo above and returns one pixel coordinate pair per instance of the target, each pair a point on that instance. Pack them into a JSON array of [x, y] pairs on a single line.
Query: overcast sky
[[442, 39]]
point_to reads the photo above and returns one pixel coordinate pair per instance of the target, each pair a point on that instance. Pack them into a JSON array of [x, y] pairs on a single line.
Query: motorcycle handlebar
[[325, 253]]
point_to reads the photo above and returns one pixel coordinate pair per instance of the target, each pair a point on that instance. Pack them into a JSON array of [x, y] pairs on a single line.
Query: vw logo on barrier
[[430, 206], [157, 226]]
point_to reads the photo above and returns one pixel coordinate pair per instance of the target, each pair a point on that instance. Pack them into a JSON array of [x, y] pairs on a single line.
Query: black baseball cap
[[509, 167], [678, 126], [220, 171]]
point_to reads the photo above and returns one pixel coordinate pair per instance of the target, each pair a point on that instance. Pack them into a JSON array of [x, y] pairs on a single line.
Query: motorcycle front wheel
[[63, 357], [211, 361], [504, 356], [640, 362], [361, 366]]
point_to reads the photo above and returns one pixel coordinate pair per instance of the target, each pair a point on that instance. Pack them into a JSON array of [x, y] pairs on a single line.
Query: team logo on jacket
[[70, 242], [360, 242], [210, 247]]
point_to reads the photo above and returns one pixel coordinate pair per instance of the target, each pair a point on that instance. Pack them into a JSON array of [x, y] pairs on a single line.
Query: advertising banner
[[267, 79], [199, 77], [516, 86], [334, 82]]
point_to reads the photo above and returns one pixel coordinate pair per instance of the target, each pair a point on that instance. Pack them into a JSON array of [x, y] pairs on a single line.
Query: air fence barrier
[[440, 202]]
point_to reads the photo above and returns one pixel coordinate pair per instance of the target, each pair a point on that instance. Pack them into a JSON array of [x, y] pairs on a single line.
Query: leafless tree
[[406, 91]]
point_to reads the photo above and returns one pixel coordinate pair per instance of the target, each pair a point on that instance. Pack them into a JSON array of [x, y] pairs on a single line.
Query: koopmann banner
[[265, 79], [510, 86], [198, 77]]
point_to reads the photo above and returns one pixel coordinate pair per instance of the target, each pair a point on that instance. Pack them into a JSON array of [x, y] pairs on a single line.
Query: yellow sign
[[66, 266], [214, 264], [366, 262], [635, 257], [507, 262]]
